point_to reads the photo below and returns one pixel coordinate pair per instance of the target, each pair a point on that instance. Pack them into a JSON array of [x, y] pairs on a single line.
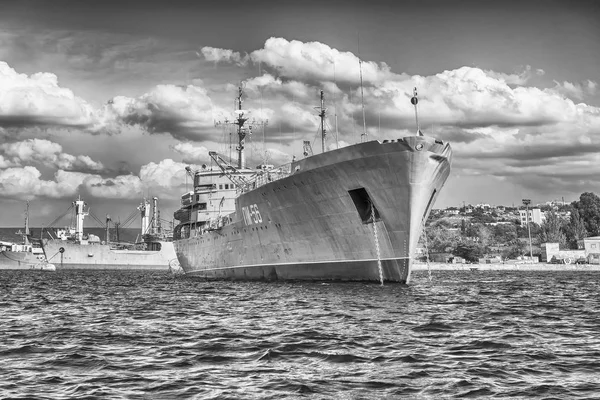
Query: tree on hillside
[[505, 233], [469, 251], [514, 249], [522, 231], [439, 238], [551, 231], [575, 230], [588, 207]]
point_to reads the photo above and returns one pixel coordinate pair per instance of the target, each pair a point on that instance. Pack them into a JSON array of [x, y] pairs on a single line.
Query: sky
[[111, 100]]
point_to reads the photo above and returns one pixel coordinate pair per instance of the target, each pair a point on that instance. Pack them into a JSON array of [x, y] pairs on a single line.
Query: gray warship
[[350, 214]]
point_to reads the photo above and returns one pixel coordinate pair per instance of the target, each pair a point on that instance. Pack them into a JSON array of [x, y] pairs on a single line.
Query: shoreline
[[505, 267]]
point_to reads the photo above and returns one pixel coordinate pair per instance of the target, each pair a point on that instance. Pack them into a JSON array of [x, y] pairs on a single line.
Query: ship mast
[[240, 121], [155, 217], [26, 233], [322, 112], [414, 101]]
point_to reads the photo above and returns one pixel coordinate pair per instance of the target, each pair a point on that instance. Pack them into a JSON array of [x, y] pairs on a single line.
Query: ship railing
[[263, 177]]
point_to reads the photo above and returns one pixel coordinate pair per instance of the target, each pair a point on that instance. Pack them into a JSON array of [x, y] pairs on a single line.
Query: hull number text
[[251, 214]]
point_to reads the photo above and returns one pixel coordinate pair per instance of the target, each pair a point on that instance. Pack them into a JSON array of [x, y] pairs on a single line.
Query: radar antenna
[[240, 120]]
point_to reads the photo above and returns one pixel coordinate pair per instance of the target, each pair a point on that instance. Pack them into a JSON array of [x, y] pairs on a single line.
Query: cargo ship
[[70, 248], [26, 255], [349, 214]]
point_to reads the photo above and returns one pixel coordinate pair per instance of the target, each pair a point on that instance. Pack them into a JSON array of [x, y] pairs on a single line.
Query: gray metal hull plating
[[310, 228], [20, 260], [102, 257]]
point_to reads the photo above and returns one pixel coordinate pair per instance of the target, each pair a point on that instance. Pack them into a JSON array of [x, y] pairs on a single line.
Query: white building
[[535, 215]]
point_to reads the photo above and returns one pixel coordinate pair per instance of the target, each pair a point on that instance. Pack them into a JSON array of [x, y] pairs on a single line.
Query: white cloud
[[512, 79], [26, 183], [496, 123], [39, 100], [164, 176], [183, 112], [576, 90], [191, 153], [46, 153], [222, 55], [312, 61]]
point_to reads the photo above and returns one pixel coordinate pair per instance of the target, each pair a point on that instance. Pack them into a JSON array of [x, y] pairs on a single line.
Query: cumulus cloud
[[512, 79], [39, 100], [497, 121], [223, 55], [26, 182], [47, 153], [191, 153], [185, 112], [164, 176], [464, 97], [576, 90], [310, 61]]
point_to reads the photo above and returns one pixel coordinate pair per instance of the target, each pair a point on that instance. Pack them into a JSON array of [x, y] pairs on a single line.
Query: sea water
[[478, 334]]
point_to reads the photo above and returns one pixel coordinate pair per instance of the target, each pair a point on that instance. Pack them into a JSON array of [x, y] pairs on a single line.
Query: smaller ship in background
[[24, 256], [71, 248]]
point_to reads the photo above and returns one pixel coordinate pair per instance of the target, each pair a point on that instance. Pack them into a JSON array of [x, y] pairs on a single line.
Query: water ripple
[[132, 335]]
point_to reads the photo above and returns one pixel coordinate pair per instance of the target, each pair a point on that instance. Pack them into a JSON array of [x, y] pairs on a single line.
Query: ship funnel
[[144, 208], [80, 214]]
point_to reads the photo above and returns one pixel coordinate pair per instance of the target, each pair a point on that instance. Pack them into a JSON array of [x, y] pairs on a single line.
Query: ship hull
[[17, 260], [317, 223], [351, 270], [102, 257]]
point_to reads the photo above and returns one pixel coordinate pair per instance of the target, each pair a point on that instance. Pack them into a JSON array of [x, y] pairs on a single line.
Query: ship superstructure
[[353, 213], [71, 248]]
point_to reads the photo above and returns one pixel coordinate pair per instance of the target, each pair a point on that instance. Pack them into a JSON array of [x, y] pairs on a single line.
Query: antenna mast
[[337, 144], [26, 234], [362, 102], [322, 112], [414, 101], [240, 121]]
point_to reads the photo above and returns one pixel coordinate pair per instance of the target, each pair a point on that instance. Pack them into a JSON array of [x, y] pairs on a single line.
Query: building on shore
[[535, 215], [591, 247]]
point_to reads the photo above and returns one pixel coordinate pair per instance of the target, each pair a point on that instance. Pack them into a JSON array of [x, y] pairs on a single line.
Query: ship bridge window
[[362, 202]]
